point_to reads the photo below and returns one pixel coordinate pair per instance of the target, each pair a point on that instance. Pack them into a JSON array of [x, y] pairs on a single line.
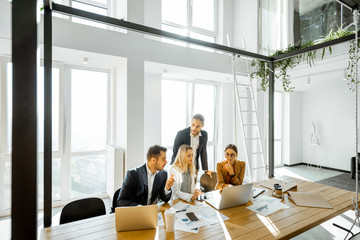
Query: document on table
[[205, 214], [265, 205]]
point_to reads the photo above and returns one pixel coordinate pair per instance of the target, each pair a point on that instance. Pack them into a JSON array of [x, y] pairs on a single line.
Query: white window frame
[[190, 111], [189, 28], [64, 150], [67, 154]]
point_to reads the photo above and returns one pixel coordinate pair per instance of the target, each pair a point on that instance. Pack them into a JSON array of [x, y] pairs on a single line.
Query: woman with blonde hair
[[184, 175], [230, 171]]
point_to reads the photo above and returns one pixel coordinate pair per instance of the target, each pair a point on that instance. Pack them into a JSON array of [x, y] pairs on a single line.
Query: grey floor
[[323, 231]]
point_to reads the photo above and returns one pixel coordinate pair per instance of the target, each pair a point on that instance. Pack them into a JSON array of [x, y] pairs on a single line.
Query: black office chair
[[207, 183], [82, 209], [114, 200]]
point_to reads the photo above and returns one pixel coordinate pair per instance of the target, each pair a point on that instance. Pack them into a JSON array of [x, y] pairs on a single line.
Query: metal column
[[24, 123], [47, 113], [271, 119]]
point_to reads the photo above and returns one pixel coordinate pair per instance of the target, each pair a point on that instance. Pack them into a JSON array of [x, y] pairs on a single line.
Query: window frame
[[190, 87], [189, 28], [64, 152]]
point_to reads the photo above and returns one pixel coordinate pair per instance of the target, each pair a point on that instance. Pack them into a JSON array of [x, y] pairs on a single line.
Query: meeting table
[[242, 223]]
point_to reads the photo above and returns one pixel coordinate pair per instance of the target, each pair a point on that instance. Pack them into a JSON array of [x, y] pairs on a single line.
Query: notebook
[[230, 196], [136, 218]]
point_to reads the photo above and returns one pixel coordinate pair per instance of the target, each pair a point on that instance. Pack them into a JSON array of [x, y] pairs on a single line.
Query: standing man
[[146, 184], [197, 139]]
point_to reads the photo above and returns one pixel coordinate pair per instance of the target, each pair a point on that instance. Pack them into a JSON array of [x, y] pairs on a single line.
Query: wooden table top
[[243, 223]]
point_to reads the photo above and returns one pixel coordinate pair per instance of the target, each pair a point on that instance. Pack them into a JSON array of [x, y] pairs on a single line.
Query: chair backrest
[[82, 209], [208, 183], [114, 200]]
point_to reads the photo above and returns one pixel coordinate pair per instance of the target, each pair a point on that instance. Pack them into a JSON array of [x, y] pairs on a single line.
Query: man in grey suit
[[197, 139]]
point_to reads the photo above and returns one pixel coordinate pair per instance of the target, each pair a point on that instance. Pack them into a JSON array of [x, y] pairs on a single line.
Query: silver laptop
[[230, 196], [136, 218]]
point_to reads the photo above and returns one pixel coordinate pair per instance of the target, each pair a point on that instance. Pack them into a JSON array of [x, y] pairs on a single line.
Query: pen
[[183, 210]]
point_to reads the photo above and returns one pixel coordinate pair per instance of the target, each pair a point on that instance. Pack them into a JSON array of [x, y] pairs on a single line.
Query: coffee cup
[[170, 220]]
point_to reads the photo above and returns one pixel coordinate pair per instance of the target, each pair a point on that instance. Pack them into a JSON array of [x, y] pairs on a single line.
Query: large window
[[88, 132], [192, 18], [79, 132], [180, 101]]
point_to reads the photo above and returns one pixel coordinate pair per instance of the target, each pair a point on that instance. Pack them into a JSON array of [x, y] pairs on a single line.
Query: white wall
[[333, 112], [293, 128], [246, 24]]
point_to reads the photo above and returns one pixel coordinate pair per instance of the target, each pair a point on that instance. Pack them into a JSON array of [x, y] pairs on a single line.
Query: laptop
[[136, 218], [230, 196]]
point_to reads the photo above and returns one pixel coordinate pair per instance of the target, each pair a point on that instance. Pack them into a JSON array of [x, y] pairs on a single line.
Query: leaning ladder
[[245, 106]]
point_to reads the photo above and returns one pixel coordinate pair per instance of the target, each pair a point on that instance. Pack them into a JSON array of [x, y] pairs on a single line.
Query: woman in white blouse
[[184, 175]]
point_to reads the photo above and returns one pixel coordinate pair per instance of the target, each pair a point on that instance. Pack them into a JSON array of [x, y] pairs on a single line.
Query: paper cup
[[170, 220]]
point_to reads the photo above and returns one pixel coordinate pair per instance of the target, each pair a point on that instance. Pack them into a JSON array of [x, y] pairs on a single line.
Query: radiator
[[115, 158]]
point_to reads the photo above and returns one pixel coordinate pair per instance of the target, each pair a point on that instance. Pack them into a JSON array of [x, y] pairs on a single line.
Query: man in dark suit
[[146, 184], [197, 139]]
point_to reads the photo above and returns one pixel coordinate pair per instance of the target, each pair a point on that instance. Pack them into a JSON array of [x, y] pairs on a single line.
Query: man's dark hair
[[199, 117], [154, 151]]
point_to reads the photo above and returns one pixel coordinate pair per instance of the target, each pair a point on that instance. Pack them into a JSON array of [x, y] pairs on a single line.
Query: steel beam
[[149, 30]]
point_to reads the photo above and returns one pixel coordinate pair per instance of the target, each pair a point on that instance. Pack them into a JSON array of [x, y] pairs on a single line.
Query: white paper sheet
[[265, 205], [205, 214]]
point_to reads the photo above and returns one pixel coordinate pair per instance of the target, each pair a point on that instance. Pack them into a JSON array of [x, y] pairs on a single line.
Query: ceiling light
[[85, 60], [165, 71]]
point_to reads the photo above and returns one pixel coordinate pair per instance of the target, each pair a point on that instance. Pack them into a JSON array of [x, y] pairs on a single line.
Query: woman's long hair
[[181, 163]]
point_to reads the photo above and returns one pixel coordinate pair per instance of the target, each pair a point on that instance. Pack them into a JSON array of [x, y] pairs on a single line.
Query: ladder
[[245, 109]]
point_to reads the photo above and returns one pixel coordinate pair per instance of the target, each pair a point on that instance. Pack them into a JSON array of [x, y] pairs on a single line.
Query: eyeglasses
[[233, 155]]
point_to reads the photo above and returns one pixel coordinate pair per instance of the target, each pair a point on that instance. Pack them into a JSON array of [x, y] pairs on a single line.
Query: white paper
[[205, 214], [265, 205], [160, 220]]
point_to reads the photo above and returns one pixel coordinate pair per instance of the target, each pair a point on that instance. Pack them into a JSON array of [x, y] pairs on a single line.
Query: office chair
[[114, 200], [207, 183], [82, 209]]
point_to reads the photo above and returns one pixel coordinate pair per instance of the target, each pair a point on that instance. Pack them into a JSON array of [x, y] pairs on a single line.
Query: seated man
[[145, 184]]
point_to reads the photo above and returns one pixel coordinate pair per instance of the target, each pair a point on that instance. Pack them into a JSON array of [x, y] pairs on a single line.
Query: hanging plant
[[282, 66], [350, 70]]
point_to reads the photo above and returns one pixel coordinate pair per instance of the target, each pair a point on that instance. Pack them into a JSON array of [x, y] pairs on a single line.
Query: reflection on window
[[173, 109], [88, 175], [88, 110]]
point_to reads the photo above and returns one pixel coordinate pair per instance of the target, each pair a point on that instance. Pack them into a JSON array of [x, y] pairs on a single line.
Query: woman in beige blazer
[[230, 171]]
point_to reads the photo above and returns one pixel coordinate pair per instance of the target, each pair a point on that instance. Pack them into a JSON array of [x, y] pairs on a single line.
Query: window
[[192, 18], [80, 126], [88, 132], [180, 101]]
